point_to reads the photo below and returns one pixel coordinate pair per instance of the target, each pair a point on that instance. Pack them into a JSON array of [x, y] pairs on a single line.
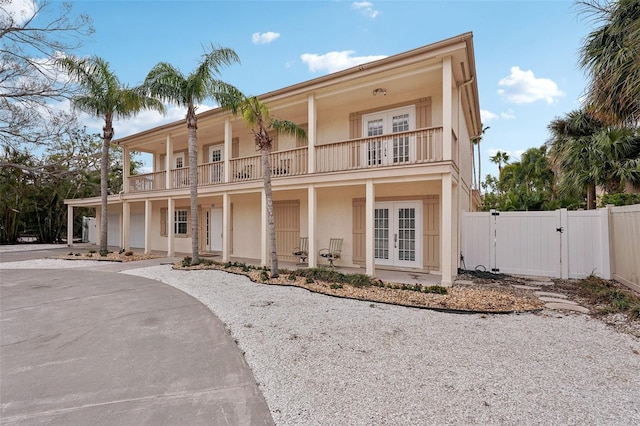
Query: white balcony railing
[[417, 146]]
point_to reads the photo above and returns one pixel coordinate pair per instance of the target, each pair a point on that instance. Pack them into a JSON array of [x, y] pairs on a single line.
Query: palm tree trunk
[[591, 197], [192, 124], [104, 185], [266, 176]]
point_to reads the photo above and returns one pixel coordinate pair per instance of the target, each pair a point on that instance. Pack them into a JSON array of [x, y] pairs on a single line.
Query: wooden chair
[[303, 251], [334, 252]]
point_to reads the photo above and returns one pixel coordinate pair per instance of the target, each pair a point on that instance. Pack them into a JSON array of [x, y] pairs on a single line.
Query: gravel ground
[[321, 360]]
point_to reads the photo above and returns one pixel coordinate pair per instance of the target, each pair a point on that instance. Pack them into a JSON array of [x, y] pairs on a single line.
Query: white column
[[126, 165], [69, 225], [168, 161], [447, 109], [369, 240], [311, 212], [170, 218], [446, 234], [147, 226], [264, 231], [228, 145], [226, 226], [311, 134], [126, 225]]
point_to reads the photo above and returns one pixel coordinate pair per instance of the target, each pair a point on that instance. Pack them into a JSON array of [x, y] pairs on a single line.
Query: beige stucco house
[[387, 167]]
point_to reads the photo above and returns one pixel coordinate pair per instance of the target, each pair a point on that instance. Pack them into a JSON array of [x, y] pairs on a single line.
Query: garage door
[[113, 230], [137, 230]]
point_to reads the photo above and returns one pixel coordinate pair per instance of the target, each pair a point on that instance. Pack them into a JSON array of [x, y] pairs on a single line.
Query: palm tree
[[499, 158], [104, 96], [589, 154], [476, 141], [610, 57], [166, 82], [258, 117], [573, 153]]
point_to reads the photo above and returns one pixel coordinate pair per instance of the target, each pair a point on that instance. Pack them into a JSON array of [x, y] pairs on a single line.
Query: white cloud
[[19, 10], [366, 7], [508, 115], [487, 116], [522, 87], [264, 38], [145, 120], [336, 61]]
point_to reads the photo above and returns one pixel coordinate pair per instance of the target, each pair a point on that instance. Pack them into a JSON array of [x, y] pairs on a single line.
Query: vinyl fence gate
[[558, 244]]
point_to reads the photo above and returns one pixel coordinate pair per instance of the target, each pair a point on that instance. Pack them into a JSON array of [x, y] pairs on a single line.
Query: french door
[[216, 155], [388, 145], [398, 234]]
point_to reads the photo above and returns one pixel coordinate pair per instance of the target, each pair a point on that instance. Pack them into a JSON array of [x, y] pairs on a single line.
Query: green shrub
[[206, 262], [336, 286], [323, 274], [359, 280], [186, 262], [91, 251], [309, 281], [264, 276], [291, 277], [436, 289]]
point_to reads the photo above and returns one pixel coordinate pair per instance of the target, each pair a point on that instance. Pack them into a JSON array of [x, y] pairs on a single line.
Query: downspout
[[460, 109]]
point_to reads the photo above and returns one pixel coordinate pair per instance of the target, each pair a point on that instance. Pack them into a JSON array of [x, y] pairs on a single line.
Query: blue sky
[[526, 51]]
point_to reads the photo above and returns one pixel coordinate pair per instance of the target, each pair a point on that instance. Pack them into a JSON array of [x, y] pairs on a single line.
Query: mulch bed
[[111, 257], [464, 299]]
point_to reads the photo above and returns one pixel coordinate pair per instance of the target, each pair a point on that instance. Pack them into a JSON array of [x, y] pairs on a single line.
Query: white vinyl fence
[[624, 224], [561, 243]]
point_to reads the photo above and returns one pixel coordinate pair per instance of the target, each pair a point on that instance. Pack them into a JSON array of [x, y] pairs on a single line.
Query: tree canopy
[[611, 57]]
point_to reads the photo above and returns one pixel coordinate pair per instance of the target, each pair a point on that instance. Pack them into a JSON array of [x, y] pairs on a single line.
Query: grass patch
[[601, 292]]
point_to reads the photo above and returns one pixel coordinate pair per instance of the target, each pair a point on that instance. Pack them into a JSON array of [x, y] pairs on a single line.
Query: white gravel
[[326, 361], [47, 264]]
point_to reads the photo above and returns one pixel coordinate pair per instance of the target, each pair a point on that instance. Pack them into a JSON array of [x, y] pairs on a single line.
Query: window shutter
[[423, 113], [235, 147], [359, 231], [163, 222], [274, 140], [303, 142], [188, 223], [355, 126]]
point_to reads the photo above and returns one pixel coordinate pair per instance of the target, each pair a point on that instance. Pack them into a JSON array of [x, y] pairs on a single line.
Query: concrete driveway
[[80, 346]]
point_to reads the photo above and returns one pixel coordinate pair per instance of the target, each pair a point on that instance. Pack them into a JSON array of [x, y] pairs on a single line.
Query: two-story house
[[387, 167]]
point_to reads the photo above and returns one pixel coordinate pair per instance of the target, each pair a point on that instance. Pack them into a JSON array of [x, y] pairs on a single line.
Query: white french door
[[216, 155], [398, 234], [387, 148]]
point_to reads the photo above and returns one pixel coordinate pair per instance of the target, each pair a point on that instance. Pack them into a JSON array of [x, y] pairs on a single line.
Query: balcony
[[399, 149]]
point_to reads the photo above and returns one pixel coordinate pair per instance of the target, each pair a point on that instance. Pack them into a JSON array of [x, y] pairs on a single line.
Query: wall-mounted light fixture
[[379, 91]]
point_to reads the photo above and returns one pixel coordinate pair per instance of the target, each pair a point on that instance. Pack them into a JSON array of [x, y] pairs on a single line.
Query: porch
[[422, 146]]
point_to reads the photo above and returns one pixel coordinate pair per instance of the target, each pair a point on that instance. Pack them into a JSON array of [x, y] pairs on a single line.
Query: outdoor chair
[[334, 252], [303, 251]]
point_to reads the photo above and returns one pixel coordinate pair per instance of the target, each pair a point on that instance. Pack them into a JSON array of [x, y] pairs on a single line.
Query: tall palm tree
[[104, 96], [258, 117], [476, 141], [610, 57], [499, 158], [166, 82]]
